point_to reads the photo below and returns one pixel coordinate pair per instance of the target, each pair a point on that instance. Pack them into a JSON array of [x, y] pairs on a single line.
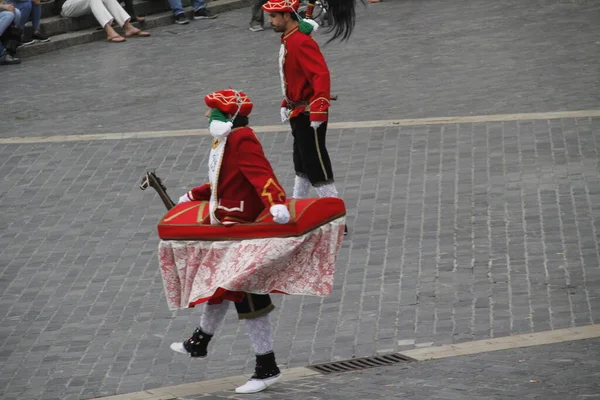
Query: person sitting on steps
[[7, 18], [200, 11], [105, 12], [31, 10]]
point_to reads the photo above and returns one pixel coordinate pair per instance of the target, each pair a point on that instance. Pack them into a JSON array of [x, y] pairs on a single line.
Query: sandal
[[138, 34], [137, 19], [116, 39]]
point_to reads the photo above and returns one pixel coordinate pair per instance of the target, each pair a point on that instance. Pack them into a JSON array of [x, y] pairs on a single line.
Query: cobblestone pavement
[[407, 59], [558, 371], [457, 232]]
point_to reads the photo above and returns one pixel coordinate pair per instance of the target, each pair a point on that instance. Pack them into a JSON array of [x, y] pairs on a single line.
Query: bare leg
[[131, 30], [111, 34]]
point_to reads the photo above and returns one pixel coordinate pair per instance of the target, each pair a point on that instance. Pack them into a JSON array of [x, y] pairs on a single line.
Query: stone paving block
[[528, 75], [501, 374], [457, 232]]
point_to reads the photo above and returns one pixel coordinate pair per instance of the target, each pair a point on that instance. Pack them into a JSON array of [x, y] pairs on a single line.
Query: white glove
[[316, 124], [184, 199], [280, 213], [285, 114]]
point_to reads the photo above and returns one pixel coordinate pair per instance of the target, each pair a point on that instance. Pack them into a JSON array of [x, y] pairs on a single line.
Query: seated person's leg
[[24, 8], [6, 19], [36, 17], [116, 11], [101, 12], [17, 16], [123, 18], [76, 8], [178, 12], [201, 11]]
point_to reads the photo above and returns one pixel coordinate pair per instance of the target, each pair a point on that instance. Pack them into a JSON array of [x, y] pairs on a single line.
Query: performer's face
[[278, 21]]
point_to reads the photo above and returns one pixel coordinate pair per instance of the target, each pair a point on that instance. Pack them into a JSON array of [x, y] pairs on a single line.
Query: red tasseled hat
[[228, 101], [281, 6]]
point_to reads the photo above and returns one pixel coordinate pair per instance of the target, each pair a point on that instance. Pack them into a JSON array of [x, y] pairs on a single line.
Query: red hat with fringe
[[229, 101], [281, 6]]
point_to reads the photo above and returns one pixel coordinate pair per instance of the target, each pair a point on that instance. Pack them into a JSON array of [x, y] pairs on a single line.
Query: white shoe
[[178, 347], [257, 385]]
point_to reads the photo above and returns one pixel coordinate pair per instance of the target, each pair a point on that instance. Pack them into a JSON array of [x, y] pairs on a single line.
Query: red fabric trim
[[181, 222], [318, 117], [222, 294]]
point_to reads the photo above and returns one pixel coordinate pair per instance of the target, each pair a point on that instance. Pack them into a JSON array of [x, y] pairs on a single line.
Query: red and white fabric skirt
[[195, 271]]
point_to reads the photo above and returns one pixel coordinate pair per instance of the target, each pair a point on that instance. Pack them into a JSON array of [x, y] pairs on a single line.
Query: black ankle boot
[[198, 343], [266, 374], [266, 367]]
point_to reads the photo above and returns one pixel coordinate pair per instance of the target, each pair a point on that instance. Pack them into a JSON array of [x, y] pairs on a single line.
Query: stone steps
[[66, 32], [54, 24]]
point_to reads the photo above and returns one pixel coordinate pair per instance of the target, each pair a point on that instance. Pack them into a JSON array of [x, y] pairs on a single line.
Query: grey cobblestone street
[[406, 59], [458, 232], [553, 372]]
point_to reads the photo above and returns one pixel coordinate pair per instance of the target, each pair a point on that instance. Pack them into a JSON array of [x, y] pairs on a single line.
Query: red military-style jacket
[[306, 76], [246, 184]]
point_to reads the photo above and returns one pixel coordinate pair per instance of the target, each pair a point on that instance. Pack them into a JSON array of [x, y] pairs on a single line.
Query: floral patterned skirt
[[197, 271]]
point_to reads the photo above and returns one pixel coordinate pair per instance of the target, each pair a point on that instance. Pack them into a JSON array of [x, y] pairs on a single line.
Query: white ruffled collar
[[219, 129]]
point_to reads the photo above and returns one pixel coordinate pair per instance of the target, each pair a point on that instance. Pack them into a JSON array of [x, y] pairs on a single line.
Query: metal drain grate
[[355, 364]]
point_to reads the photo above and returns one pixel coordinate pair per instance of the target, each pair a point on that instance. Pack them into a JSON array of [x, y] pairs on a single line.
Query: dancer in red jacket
[[305, 83], [241, 185]]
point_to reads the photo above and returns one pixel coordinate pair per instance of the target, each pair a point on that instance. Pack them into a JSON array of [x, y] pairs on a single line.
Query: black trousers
[[11, 38], [311, 159], [129, 8], [254, 306]]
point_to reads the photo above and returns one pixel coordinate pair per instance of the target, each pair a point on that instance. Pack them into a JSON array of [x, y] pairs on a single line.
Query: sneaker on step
[[181, 19], [204, 13], [7, 59], [40, 38], [26, 42]]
